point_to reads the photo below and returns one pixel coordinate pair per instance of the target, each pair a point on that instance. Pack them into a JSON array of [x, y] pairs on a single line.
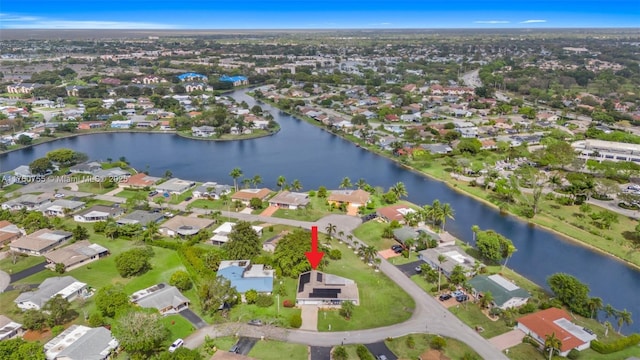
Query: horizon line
[[334, 29]]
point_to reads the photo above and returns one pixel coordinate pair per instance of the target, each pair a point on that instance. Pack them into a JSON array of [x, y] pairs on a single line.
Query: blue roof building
[[190, 76], [244, 276], [236, 80]]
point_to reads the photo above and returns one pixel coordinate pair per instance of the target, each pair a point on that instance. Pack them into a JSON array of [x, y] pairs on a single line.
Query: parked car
[[444, 297], [58, 195], [418, 268], [381, 357], [176, 344], [255, 322], [462, 298], [235, 349], [153, 193], [397, 249], [458, 293]]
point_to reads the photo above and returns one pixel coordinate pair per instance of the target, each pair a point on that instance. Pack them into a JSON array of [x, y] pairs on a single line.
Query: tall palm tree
[[346, 183], [552, 344], [330, 229], [441, 260], [281, 182], [296, 185], [595, 304], [609, 311], [607, 327], [624, 317], [426, 213], [256, 180], [150, 233], [399, 189], [361, 183], [509, 251], [369, 253], [475, 229], [409, 244], [246, 183], [446, 211], [235, 174]]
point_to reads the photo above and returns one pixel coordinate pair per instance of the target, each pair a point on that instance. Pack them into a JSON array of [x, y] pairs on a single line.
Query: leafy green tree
[[66, 157], [24, 140], [346, 309], [133, 262], [181, 353], [493, 246], [288, 258], [251, 296], [340, 353], [552, 344], [217, 293], [438, 343], [60, 268], [96, 319], [34, 319], [469, 145], [255, 203], [80, 233], [181, 280], [322, 192], [59, 311], [140, 333], [19, 349], [457, 276], [243, 243], [571, 292], [111, 299], [40, 166]]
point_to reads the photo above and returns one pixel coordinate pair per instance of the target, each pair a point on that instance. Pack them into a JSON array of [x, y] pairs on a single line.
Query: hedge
[[363, 353], [617, 345]]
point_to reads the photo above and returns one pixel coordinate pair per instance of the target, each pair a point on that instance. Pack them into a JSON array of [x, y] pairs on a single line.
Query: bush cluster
[[617, 345]]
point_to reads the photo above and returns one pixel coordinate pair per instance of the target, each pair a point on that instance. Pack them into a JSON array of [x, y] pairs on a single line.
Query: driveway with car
[[380, 348], [410, 268], [244, 345]]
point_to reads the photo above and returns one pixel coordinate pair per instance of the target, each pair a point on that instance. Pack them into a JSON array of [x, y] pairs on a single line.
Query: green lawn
[[316, 210], [454, 349], [371, 233], [378, 295], [22, 262], [472, 316], [177, 199], [211, 204], [276, 350], [274, 314], [527, 352], [179, 327], [93, 187], [129, 193]]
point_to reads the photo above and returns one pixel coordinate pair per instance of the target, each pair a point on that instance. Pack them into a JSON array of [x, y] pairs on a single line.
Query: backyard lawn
[[276, 350], [273, 314], [471, 315], [22, 262], [378, 295], [316, 210], [371, 233], [179, 327], [453, 350], [94, 187]]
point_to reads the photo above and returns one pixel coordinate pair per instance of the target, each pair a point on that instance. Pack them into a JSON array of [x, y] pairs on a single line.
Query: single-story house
[[221, 233], [318, 288], [184, 226], [175, 186], [139, 180], [211, 190], [61, 207], [505, 293], [167, 299], [28, 202], [75, 255], [66, 286], [290, 200], [81, 343], [405, 233], [244, 276], [40, 241], [9, 232], [245, 195], [556, 321], [98, 213], [454, 256], [394, 212], [355, 198], [9, 329], [271, 243], [140, 217]]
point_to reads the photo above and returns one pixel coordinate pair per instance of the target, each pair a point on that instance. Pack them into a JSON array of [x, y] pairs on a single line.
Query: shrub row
[[617, 345], [363, 353]]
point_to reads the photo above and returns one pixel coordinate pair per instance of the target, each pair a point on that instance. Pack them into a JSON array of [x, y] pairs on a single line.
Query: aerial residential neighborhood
[[340, 194]]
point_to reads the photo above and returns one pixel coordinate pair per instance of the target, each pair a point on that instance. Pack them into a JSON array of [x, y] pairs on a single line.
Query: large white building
[[607, 150]]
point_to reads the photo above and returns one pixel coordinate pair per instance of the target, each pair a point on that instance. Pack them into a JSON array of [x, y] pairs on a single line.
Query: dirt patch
[[44, 336], [433, 354]]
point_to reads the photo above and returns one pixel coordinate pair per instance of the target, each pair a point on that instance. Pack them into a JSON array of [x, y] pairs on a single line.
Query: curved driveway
[[428, 316]]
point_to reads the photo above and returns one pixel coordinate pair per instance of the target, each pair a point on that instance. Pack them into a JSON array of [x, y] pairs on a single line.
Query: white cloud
[[532, 21], [10, 21], [492, 22], [9, 17]]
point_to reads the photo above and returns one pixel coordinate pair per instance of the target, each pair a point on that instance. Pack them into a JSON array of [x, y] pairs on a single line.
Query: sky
[[319, 14]]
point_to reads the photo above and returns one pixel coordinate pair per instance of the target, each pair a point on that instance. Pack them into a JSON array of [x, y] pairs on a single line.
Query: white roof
[[75, 287], [456, 256], [503, 282], [574, 330]]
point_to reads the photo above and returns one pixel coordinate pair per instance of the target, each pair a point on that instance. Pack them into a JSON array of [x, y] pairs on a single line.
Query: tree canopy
[[19, 349], [66, 157], [493, 246], [140, 333], [571, 292], [289, 258], [110, 299], [217, 293], [243, 243], [133, 262]]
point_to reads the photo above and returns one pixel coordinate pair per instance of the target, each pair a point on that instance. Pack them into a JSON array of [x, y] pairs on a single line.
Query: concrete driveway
[[309, 317], [508, 340], [380, 348], [245, 344]]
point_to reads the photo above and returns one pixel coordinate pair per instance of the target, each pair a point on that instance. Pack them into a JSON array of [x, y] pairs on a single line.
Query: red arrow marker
[[314, 256]]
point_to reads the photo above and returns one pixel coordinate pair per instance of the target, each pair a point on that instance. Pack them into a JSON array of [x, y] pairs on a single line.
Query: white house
[[66, 286]]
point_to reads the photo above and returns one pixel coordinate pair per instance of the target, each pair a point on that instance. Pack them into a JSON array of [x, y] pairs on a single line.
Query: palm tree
[[624, 317], [246, 183], [151, 231], [370, 253], [350, 238], [399, 189], [555, 181], [377, 262], [361, 183], [595, 304], [235, 174], [441, 260], [552, 343], [281, 182], [331, 229], [346, 183], [486, 299], [340, 234], [609, 311], [509, 251], [296, 185], [446, 211], [607, 327], [475, 229], [256, 180]]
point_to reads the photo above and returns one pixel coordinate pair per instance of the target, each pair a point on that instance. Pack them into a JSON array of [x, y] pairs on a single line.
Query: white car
[[58, 196], [176, 344]]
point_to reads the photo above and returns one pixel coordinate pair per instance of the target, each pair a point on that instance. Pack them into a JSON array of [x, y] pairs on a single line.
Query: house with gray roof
[[211, 190], [66, 286], [98, 213], [40, 242], [9, 329], [437, 148], [505, 293], [175, 186], [61, 207], [28, 202], [75, 255], [290, 200], [167, 299], [245, 276], [81, 343], [453, 254], [140, 217], [405, 233]]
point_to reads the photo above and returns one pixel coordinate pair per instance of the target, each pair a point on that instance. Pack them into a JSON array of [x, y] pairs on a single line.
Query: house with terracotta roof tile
[[245, 195], [556, 321]]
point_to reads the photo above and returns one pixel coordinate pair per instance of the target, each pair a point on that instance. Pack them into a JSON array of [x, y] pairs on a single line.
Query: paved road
[[193, 318], [5, 280], [429, 315], [380, 348]]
